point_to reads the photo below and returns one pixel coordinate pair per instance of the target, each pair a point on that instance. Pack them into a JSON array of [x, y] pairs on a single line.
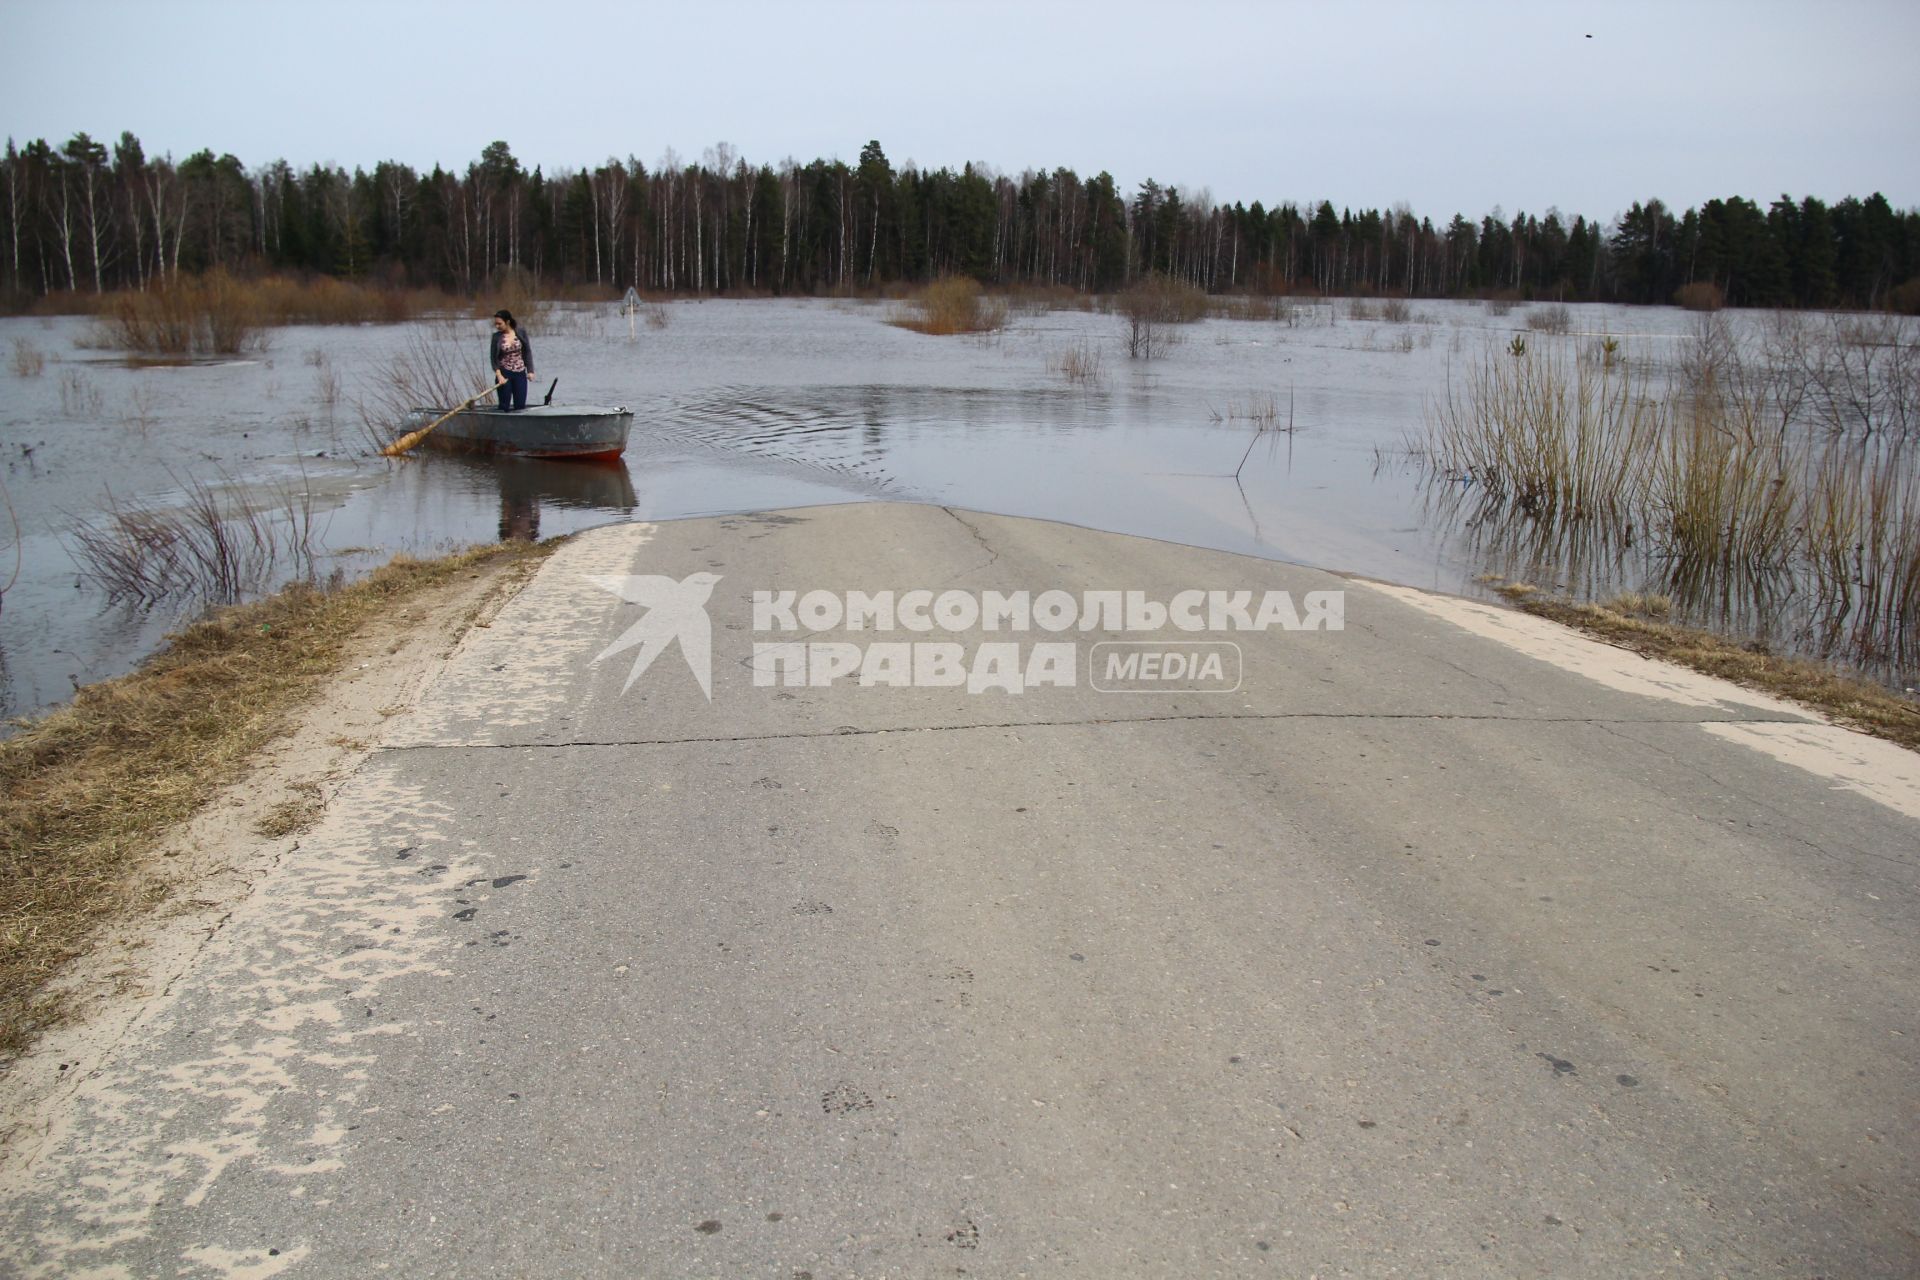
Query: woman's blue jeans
[[513, 392]]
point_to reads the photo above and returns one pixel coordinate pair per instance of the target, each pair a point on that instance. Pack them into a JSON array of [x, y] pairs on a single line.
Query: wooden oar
[[413, 438]]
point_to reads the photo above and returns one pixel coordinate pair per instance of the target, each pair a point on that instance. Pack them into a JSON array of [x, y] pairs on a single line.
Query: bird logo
[[675, 610]]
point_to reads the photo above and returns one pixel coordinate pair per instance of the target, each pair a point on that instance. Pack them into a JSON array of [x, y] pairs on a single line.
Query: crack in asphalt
[[849, 731], [992, 555]]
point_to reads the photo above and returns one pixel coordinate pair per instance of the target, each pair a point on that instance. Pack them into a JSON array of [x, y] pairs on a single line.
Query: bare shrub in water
[[141, 404], [1701, 295], [211, 315], [437, 365], [216, 546], [326, 382], [1862, 534], [79, 398], [514, 289], [28, 362], [1262, 408], [1554, 318], [1079, 364], [1855, 375], [13, 543], [951, 305], [1150, 308]]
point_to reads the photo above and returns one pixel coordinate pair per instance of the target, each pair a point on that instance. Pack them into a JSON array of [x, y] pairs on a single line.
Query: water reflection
[[526, 485]]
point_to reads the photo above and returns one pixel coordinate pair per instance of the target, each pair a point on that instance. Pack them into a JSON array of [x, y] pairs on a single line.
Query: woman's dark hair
[[504, 314]]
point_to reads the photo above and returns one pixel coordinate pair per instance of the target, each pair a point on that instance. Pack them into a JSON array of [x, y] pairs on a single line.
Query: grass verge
[[1858, 703], [88, 790]]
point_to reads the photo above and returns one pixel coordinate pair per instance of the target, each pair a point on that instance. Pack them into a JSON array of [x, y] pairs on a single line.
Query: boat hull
[[575, 432]]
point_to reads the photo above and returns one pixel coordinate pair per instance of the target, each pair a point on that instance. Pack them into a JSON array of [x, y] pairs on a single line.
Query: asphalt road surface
[[1445, 944]]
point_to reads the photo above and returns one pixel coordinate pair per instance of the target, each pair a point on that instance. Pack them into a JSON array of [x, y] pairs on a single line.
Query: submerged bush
[[28, 360], [1151, 306], [1701, 295], [1554, 318], [221, 314], [212, 314], [952, 304]]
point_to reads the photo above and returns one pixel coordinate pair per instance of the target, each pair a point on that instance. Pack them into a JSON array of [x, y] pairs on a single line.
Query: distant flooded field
[[743, 405]]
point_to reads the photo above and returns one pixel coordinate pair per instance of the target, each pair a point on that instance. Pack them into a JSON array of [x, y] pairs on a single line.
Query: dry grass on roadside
[[1633, 622], [88, 790]]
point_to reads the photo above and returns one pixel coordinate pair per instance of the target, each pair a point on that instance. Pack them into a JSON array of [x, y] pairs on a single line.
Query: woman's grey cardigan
[[526, 350]]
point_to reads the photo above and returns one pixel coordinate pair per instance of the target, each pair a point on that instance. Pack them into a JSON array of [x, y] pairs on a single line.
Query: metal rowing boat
[[538, 431]]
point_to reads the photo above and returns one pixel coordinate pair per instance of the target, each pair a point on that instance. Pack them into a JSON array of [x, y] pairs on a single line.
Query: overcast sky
[[1444, 105]]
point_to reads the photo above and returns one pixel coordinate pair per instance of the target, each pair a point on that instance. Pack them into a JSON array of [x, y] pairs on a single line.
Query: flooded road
[[744, 405]]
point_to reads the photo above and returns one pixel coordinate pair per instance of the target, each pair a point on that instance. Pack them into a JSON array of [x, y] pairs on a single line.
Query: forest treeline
[[88, 217]]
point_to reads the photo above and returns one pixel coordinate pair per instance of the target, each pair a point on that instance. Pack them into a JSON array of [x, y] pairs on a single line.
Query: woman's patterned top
[[510, 361]]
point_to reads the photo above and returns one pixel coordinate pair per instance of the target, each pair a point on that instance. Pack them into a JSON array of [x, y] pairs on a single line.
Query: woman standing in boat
[[512, 358]]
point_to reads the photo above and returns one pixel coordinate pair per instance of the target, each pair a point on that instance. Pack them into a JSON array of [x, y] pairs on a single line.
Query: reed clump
[[1262, 408], [1037, 299], [79, 397], [1079, 363], [28, 360], [1554, 436], [1731, 479], [950, 305], [1253, 306]]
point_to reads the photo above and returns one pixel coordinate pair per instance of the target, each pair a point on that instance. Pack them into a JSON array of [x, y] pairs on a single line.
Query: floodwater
[[746, 405]]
